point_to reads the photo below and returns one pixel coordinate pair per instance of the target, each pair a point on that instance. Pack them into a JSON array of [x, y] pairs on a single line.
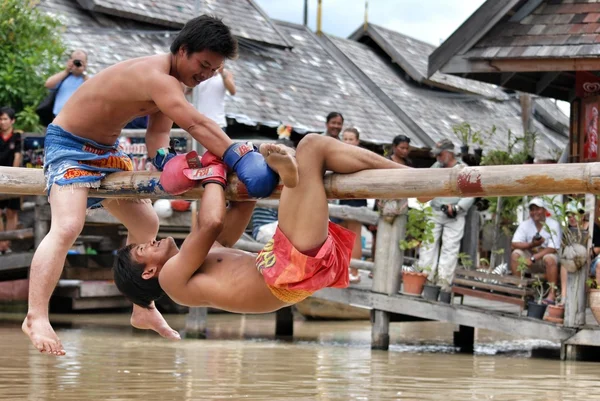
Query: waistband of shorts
[[289, 296], [55, 134]]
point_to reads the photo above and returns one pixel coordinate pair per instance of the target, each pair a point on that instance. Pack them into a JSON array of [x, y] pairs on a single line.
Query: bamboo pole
[[382, 184]]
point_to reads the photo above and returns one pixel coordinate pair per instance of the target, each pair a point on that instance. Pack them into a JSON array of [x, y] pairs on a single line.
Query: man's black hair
[[128, 279], [334, 114], [8, 111], [206, 33]]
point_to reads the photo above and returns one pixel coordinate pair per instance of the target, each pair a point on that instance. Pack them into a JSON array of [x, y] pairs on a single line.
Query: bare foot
[[142, 318], [281, 159], [42, 336]]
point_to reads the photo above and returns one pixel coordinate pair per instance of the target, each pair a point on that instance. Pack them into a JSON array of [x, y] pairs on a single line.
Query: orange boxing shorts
[[292, 275]]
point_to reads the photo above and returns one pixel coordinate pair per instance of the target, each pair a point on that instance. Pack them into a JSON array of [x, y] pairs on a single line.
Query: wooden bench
[[494, 287]]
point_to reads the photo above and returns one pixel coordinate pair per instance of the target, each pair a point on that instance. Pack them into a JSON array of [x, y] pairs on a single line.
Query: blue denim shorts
[[72, 161]]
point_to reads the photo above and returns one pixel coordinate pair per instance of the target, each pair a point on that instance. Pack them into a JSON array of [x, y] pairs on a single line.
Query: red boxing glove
[[172, 179], [213, 170]]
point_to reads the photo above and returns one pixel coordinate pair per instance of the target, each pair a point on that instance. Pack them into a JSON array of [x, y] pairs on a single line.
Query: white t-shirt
[[211, 99], [526, 231]]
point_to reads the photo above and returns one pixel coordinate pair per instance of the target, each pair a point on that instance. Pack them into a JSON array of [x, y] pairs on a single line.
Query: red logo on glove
[[243, 149]]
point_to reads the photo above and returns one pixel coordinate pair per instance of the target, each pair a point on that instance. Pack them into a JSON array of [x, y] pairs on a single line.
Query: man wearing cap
[[449, 223], [537, 241]]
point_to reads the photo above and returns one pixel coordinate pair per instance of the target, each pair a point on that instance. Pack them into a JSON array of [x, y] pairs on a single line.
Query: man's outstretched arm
[[177, 272], [236, 220]]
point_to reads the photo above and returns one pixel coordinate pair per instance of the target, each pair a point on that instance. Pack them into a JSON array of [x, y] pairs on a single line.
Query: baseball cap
[[539, 202], [575, 207], [444, 144]]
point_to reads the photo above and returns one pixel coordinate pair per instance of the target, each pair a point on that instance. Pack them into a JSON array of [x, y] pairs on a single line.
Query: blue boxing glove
[[163, 155], [252, 169]]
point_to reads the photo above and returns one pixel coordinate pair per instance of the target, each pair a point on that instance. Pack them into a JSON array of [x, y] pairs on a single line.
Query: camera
[[77, 63], [444, 208], [537, 237]]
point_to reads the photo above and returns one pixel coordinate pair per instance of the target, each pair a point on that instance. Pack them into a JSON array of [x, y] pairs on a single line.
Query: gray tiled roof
[[107, 40], [414, 58], [556, 28], [300, 87], [437, 112], [244, 17]]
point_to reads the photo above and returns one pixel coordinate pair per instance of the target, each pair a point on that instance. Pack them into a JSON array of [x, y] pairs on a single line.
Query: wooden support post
[[575, 302], [470, 240], [570, 352], [284, 323], [380, 331], [464, 338], [387, 274], [195, 323], [42, 226]]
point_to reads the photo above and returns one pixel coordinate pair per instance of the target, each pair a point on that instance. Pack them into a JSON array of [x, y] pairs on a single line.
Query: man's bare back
[[108, 101]]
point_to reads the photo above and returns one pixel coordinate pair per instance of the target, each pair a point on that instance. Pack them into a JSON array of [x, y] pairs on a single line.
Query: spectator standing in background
[[334, 124], [72, 77], [448, 216], [211, 96], [400, 150], [11, 155]]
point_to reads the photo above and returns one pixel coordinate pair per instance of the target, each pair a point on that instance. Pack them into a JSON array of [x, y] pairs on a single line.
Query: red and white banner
[[586, 84]]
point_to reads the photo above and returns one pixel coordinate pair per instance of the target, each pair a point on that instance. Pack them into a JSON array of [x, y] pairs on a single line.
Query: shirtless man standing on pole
[[81, 149]]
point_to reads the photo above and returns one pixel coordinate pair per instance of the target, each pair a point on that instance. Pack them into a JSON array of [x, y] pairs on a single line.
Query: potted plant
[[431, 291], [445, 292], [556, 312], [594, 298], [419, 230], [537, 307], [466, 135]]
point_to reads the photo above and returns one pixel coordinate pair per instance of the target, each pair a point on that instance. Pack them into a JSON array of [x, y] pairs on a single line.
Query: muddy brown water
[[108, 360]]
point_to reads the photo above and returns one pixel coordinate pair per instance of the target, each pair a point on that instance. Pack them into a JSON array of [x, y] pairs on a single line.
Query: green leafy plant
[[30, 50], [419, 228], [465, 260], [465, 133], [522, 266], [541, 291], [591, 283]]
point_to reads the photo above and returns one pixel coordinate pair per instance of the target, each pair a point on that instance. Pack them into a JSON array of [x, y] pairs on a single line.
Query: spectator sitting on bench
[[537, 240]]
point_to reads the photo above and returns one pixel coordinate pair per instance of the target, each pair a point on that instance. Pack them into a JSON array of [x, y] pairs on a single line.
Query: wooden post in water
[[195, 323], [464, 338], [284, 323], [387, 274]]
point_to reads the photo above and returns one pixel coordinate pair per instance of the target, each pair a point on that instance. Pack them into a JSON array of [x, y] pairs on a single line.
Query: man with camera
[[68, 80], [536, 243], [448, 218]]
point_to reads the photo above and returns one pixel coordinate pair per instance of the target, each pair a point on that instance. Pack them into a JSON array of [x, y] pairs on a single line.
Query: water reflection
[[329, 361]]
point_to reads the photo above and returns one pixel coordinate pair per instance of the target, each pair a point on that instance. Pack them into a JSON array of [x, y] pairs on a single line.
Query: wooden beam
[[457, 314], [469, 33], [585, 337], [461, 64], [15, 265], [25, 233], [514, 180], [545, 81]]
